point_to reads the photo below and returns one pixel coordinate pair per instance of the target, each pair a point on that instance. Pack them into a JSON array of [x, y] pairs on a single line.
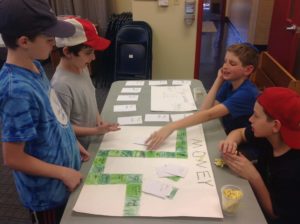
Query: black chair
[[133, 52]]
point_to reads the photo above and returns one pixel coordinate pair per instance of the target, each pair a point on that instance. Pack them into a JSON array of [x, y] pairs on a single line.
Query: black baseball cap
[[21, 17]]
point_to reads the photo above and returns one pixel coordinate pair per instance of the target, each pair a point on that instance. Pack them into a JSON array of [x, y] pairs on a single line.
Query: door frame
[[199, 33]]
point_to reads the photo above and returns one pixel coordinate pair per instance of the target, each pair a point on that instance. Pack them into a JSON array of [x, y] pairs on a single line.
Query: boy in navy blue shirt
[[231, 97], [37, 139]]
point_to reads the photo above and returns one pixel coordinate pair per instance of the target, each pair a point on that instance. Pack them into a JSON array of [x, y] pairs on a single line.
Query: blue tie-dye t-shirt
[[31, 113]]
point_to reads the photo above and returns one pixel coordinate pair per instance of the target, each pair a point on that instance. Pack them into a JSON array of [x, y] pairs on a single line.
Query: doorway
[[216, 35]]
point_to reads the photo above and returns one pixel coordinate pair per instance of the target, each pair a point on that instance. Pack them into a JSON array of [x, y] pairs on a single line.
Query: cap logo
[[51, 10]]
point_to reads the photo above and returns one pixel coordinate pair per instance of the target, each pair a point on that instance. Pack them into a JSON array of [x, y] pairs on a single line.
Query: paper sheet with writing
[[172, 98], [114, 185]]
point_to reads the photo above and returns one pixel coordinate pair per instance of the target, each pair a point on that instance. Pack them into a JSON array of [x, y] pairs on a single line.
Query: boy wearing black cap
[[275, 128], [73, 84], [38, 141]]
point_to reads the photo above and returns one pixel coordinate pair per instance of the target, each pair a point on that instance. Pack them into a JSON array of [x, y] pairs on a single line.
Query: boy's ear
[[277, 126], [22, 41], [249, 69], [66, 52]]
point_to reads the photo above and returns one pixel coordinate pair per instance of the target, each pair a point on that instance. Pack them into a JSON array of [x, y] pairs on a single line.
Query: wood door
[[284, 40]]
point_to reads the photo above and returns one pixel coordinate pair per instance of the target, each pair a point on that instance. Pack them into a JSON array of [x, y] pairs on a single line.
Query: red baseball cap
[[283, 104], [85, 33]]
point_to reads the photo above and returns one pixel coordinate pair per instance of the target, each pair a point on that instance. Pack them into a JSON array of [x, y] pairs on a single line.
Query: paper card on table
[[130, 120], [157, 117], [176, 170], [124, 108], [158, 82], [157, 188], [135, 83], [176, 117], [128, 98], [131, 90], [161, 172], [181, 82]]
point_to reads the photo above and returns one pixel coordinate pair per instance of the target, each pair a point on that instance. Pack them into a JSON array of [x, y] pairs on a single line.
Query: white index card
[[181, 82], [130, 120], [157, 188], [157, 117], [176, 170], [131, 90], [158, 82], [135, 83], [124, 108], [128, 98]]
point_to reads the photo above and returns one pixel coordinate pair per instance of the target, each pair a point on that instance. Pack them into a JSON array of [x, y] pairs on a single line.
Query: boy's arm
[[244, 168], [15, 158], [99, 129], [210, 99], [234, 138], [85, 155], [199, 117]]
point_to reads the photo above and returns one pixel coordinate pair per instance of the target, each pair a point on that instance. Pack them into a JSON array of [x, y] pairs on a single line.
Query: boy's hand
[[240, 165], [227, 146], [71, 178], [220, 74], [104, 127], [85, 155], [158, 137]]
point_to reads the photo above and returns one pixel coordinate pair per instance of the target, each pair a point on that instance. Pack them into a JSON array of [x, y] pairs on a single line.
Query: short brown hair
[[247, 53]]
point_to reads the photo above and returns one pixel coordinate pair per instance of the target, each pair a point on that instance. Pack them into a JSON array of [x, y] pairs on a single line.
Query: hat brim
[[61, 29], [98, 44], [290, 137]]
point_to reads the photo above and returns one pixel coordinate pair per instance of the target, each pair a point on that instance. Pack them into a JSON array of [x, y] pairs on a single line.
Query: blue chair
[[133, 52]]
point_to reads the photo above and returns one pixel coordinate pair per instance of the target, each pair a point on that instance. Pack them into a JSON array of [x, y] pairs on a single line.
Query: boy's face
[[85, 57], [233, 69], [261, 126], [40, 47]]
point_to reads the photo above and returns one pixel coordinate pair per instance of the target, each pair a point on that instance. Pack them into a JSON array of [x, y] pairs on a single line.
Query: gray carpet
[[11, 210]]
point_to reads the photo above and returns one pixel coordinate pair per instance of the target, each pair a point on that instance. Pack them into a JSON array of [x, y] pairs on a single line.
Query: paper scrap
[[158, 82], [181, 82], [131, 90], [124, 108], [130, 120], [157, 117], [135, 83], [128, 98], [176, 117], [157, 188], [168, 170]]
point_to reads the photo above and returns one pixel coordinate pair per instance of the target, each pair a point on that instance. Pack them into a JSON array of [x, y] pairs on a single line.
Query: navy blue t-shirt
[[239, 102]]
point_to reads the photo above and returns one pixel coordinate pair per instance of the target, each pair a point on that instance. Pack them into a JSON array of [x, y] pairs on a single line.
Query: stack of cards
[[159, 189], [169, 170]]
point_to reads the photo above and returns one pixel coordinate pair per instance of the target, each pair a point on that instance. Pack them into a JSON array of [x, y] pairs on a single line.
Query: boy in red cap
[[73, 84], [275, 128], [38, 141]]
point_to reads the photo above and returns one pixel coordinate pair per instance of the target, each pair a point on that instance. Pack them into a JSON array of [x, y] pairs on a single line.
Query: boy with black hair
[[37, 139], [73, 84], [231, 97], [275, 129]]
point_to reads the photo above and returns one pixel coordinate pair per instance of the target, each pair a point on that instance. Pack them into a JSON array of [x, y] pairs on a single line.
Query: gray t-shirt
[[77, 95]]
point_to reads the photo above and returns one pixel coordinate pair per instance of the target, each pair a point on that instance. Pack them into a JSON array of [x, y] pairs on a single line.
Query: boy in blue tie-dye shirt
[[38, 141]]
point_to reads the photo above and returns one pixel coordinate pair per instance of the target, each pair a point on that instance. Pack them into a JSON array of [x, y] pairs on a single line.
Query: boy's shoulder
[[16, 81]]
